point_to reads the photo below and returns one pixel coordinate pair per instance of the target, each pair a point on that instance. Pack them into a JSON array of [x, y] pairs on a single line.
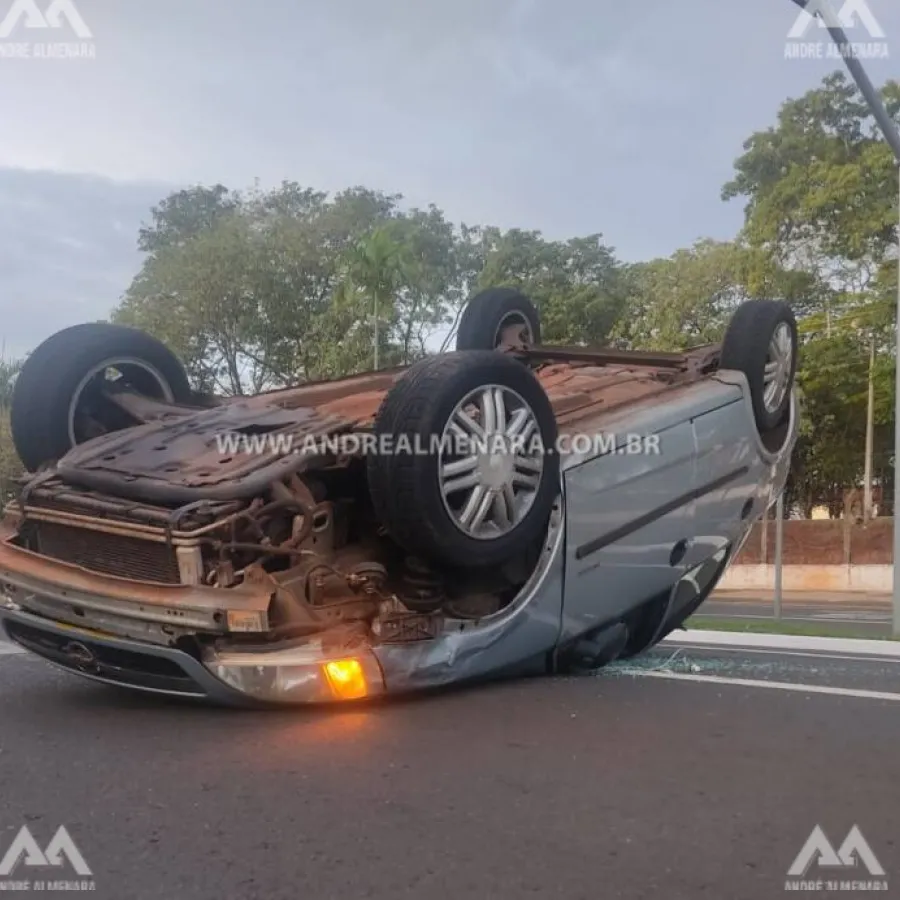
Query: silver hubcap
[[490, 463], [119, 371], [779, 363]]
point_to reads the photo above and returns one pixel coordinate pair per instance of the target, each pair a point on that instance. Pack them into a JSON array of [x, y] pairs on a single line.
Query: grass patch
[[774, 626], [10, 466]]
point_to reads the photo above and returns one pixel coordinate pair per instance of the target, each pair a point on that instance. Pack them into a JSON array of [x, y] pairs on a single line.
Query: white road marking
[[10, 649], [772, 685], [748, 640]]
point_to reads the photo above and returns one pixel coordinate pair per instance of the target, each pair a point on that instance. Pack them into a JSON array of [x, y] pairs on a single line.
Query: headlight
[[304, 674]]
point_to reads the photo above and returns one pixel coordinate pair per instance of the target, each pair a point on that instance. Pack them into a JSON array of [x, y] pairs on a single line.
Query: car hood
[[226, 453]]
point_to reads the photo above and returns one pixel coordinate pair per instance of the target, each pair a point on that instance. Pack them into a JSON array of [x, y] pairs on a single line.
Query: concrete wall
[[875, 578], [822, 542]]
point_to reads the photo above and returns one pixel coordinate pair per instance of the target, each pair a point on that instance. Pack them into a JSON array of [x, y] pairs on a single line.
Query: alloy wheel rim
[[779, 364], [490, 462]]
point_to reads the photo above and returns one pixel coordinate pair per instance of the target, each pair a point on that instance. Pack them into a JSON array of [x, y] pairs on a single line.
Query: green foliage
[[9, 369], [684, 300], [257, 290], [10, 466], [578, 286], [822, 184]]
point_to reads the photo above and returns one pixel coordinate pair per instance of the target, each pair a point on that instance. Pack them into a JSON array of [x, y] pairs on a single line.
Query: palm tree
[[378, 266]]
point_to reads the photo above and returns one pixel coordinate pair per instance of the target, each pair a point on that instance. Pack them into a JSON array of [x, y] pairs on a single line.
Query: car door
[[629, 520], [731, 475]]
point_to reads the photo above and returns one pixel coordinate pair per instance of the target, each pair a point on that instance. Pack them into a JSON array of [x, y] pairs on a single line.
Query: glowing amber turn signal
[[346, 677]]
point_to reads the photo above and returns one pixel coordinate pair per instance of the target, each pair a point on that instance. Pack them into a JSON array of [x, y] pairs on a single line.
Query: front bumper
[[125, 632], [303, 674]]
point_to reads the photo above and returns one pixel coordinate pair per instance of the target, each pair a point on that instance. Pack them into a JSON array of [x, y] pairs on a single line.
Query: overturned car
[[506, 508]]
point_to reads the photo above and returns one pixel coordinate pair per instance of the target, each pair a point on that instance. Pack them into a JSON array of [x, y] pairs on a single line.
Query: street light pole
[[892, 136], [779, 553], [896, 510], [375, 310]]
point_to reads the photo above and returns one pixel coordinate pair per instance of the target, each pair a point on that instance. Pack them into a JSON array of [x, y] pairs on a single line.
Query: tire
[[486, 312], [377, 464], [49, 381], [405, 487], [748, 348]]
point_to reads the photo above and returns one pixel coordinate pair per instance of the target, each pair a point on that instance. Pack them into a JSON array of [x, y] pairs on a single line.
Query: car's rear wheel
[[498, 317], [60, 397], [761, 341], [472, 474]]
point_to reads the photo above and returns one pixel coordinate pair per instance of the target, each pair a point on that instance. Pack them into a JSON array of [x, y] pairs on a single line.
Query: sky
[[571, 117]]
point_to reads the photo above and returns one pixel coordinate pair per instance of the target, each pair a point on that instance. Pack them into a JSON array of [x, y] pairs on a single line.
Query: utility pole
[[375, 304], [896, 616], [892, 136], [779, 551], [870, 435]]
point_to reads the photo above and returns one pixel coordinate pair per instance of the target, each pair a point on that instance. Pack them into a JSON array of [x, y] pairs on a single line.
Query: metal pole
[[896, 558], [779, 547], [375, 304], [870, 435], [892, 136], [873, 98]]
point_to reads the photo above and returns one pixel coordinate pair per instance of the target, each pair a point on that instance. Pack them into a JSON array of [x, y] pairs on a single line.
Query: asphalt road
[[622, 785]]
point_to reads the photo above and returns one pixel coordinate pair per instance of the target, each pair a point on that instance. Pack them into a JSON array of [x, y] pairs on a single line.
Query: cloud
[[570, 117], [67, 250]]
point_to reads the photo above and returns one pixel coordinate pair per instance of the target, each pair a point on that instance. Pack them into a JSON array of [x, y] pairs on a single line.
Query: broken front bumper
[[126, 633], [294, 675]]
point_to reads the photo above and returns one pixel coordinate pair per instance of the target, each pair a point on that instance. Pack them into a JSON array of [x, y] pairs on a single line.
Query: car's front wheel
[[467, 472]]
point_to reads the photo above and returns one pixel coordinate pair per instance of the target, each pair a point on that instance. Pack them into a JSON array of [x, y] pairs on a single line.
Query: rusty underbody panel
[[178, 458]]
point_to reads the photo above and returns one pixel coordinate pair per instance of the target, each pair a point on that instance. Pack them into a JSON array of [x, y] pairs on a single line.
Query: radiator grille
[[111, 554]]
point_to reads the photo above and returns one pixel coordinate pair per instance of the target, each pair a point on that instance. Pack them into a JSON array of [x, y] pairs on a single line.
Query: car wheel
[[761, 341], [472, 473], [59, 396], [498, 316]]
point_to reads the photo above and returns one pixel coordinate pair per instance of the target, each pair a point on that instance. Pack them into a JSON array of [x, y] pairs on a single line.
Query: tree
[[378, 266], [10, 466], [821, 186], [9, 369], [185, 214], [578, 285], [200, 298], [687, 299], [260, 289]]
